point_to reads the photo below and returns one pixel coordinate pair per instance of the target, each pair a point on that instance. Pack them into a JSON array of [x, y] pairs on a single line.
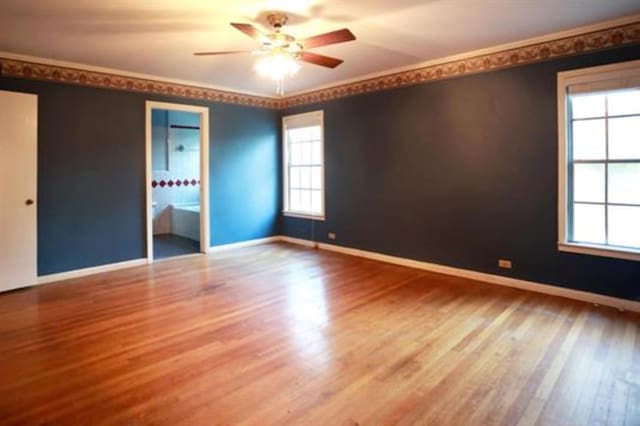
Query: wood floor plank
[[572, 397], [632, 377], [279, 334], [498, 392]]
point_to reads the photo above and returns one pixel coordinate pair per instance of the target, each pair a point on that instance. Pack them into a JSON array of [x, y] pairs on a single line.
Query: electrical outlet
[[332, 235], [504, 264]]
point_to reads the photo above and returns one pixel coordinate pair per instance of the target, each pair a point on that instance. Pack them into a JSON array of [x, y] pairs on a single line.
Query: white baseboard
[[299, 241], [77, 273], [241, 244], [553, 290]]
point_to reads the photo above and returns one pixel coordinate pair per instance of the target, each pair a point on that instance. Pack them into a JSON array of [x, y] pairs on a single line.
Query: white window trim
[[285, 172], [621, 71]]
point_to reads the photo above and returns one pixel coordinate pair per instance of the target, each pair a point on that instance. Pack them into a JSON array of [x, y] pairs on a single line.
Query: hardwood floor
[[278, 334]]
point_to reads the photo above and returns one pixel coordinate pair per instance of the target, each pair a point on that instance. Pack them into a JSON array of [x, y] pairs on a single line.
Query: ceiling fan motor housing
[[277, 20]]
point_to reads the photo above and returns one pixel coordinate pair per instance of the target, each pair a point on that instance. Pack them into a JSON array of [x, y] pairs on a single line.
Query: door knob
[[29, 202]]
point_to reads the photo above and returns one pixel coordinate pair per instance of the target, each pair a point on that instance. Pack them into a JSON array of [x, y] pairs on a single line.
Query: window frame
[[319, 115], [620, 72]]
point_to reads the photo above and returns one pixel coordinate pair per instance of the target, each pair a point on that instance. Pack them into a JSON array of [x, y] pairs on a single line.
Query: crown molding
[[600, 36], [123, 73], [33, 68]]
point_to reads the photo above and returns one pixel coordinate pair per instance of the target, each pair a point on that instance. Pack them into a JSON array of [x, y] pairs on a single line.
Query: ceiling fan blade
[[224, 52], [339, 36], [323, 61], [250, 30]]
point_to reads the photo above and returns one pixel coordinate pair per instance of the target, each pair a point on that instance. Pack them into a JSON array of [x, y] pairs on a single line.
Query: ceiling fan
[[282, 50]]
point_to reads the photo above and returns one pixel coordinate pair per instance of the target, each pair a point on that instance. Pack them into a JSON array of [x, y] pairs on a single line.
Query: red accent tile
[[177, 182]]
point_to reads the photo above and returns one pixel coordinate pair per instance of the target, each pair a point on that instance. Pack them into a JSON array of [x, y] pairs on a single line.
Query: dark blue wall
[[91, 173], [459, 172], [245, 174]]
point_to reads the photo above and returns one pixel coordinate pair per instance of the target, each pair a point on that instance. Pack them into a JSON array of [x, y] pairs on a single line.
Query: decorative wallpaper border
[[34, 71], [628, 34], [569, 46]]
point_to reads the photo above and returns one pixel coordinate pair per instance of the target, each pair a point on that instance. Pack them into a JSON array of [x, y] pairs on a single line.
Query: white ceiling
[[158, 37]]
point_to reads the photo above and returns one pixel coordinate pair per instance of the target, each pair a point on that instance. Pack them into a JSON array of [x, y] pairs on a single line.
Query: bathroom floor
[[168, 245]]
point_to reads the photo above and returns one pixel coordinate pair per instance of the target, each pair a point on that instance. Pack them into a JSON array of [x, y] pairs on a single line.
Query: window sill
[[597, 250], [303, 216]]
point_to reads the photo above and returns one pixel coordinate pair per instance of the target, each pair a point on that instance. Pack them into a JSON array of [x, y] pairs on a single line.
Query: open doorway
[[177, 160]]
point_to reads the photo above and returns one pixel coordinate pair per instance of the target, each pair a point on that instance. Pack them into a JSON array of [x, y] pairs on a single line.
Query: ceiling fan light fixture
[[277, 66]]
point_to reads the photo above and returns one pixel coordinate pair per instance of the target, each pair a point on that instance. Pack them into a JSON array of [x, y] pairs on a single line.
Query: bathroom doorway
[[177, 192]]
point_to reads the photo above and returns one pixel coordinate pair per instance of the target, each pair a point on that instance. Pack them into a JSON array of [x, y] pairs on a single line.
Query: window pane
[[305, 201], [624, 138], [316, 202], [303, 134], [294, 177], [299, 134], [624, 183], [296, 153], [306, 153], [294, 135], [316, 133], [624, 102], [588, 182], [316, 153], [585, 106], [624, 226], [305, 177], [316, 178], [294, 200], [588, 223], [589, 140], [308, 133]]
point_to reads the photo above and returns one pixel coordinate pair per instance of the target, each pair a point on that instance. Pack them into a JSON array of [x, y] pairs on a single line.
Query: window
[[304, 165], [599, 161]]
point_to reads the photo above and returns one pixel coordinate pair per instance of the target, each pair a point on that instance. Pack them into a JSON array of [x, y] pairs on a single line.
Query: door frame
[[204, 170]]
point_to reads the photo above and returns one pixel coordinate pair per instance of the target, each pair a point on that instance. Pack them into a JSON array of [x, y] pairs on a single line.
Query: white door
[[18, 186]]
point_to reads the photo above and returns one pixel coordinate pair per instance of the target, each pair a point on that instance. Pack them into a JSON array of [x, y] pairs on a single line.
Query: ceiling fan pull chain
[[280, 86]]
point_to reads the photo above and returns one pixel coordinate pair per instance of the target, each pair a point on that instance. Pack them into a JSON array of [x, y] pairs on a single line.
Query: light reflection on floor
[[307, 304]]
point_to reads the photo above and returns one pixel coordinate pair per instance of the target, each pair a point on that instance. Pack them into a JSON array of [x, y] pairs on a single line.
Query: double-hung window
[[599, 160], [303, 156]]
